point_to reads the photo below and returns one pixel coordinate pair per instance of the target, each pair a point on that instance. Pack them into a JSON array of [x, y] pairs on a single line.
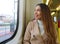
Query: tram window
[[8, 18]]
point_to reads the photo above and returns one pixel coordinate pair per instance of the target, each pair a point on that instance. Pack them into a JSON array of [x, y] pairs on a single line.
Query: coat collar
[[36, 27]]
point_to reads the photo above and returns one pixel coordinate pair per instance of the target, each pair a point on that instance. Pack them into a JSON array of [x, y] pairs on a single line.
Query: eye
[[38, 9]]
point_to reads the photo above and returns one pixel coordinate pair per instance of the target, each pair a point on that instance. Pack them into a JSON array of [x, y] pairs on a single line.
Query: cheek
[[39, 13]]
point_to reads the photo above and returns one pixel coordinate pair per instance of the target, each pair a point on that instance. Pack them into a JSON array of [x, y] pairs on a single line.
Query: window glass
[[8, 18]]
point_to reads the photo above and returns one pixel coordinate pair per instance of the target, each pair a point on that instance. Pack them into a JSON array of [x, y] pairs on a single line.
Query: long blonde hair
[[47, 21]]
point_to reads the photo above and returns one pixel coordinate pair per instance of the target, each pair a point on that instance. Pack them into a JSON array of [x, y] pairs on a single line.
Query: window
[[8, 18], [55, 19]]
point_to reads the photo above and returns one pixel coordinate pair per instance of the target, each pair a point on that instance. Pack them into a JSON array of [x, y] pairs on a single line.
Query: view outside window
[[8, 18]]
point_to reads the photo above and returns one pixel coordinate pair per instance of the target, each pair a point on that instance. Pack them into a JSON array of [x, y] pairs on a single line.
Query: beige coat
[[33, 36]]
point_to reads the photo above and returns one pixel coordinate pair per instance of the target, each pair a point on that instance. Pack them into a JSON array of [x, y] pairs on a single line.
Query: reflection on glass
[[8, 18]]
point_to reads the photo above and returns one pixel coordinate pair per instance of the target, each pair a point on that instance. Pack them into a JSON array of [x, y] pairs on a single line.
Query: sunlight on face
[[37, 12]]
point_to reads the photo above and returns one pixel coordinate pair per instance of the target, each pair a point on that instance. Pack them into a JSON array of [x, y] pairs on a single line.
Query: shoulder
[[32, 22], [30, 25]]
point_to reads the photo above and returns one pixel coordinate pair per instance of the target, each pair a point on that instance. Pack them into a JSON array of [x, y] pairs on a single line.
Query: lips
[[36, 15]]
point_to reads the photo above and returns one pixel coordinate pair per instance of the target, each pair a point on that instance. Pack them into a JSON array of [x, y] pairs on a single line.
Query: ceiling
[[53, 4]]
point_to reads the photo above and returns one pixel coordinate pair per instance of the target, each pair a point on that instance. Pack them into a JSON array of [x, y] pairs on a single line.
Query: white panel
[[18, 35]]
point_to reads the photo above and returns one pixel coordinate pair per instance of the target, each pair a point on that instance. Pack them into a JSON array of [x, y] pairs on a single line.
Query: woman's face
[[37, 12]]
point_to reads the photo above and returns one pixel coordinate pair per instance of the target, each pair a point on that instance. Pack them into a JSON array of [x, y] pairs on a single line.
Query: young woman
[[41, 29]]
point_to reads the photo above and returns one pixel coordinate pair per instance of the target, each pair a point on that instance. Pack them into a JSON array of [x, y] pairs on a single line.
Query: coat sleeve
[[27, 34]]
